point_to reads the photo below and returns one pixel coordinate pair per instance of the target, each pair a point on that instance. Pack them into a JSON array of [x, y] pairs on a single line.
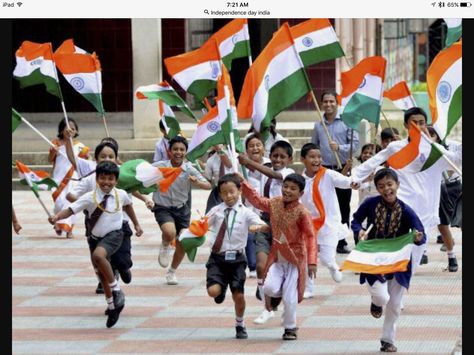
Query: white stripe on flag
[[318, 38], [85, 83], [24, 67], [380, 258], [209, 70], [227, 46]]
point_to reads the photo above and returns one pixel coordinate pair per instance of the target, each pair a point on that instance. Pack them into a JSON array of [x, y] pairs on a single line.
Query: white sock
[[172, 270], [114, 286], [110, 303], [239, 321], [451, 254]]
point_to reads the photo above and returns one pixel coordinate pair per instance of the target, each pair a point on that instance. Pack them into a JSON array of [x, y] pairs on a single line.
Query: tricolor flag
[[400, 95], [362, 88], [316, 41], [454, 30], [36, 180], [418, 155], [381, 256], [140, 175], [16, 119], [166, 93], [444, 81], [35, 65], [275, 81], [197, 71], [233, 41], [193, 237], [169, 120]]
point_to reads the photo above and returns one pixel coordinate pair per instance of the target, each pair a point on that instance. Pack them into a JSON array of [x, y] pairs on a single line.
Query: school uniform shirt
[[212, 170], [368, 189], [276, 184], [84, 166], [108, 221], [421, 191], [177, 194], [88, 184], [161, 150], [244, 218], [456, 148], [332, 229], [255, 178]]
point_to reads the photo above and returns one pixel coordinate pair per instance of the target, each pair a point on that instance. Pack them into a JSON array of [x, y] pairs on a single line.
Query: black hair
[[63, 124], [284, 145], [101, 146], [328, 92], [251, 129], [432, 132], [178, 139], [414, 111], [377, 148], [232, 178], [253, 136], [306, 148], [111, 141], [385, 172], [388, 133], [297, 179], [107, 168]]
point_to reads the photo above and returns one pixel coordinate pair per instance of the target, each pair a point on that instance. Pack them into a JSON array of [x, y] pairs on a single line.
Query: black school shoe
[[99, 290], [439, 239], [119, 303], [452, 264], [387, 347], [258, 295], [275, 302], [241, 332], [343, 250], [424, 259], [126, 276]]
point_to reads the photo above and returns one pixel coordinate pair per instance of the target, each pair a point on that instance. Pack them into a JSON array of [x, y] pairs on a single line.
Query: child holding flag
[[390, 218], [231, 221], [161, 147]]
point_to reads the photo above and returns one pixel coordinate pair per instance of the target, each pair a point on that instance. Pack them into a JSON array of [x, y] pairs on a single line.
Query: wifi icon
[[19, 4]]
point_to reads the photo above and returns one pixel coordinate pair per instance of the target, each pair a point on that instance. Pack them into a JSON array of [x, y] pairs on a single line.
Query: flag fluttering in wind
[[400, 95], [418, 155], [316, 41], [169, 120], [196, 71], [454, 30], [35, 65], [444, 81], [233, 41], [275, 81], [362, 88], [36, 180], [166, 93], [193, 237], [16, 119], [140, 175], [82, 71], [381, 256]]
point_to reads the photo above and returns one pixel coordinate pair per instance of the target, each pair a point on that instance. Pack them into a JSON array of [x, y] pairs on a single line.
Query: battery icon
[[465, 4]]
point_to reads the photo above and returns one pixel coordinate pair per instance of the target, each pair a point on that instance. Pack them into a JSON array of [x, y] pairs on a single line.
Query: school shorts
[[180, 216], [226, 273], [450, 193], [110, 242], [122, 258], [263, 242]]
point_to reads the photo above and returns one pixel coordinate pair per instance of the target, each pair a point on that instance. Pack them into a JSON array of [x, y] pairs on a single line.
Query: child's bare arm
[[148, 201], [61, 215], [131, 213], [259, 228], [265, 170]]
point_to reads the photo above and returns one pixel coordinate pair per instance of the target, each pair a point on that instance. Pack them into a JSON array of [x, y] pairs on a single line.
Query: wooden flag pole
[[105, 125], [37, 196]]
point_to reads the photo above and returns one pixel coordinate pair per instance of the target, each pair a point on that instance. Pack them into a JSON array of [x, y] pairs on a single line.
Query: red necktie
[[92, 220], [216, 248]]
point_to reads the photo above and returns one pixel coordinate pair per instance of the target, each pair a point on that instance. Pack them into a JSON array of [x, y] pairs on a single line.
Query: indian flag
[[400, 95], [169, 120], [82, 71], [197, 71], [362, 88], [418, 155], [275, 81], [454, 30], [316, 41], [444, 81], [193, 237], [166, 93], [35, 65], [140, 175], [36, 180], [16, 119], [381, 256], [233, 41]]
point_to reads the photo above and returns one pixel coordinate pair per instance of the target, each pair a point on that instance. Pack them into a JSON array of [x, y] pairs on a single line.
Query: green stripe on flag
[[385, 245], [201, 88], [241, 50], [359, 107], [201, 149], [96, 101], [455, 110], [321, 54], [173, 126], [16, 119], [36, 78], [171, 98], [435, 154], [453, 35]]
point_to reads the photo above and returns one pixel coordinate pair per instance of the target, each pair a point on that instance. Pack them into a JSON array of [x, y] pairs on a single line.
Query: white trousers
[[388, 295], [416, 255], [327, 256], [282, 281]]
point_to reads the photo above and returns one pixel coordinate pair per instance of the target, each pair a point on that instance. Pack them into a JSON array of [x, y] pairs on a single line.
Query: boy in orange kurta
[[293, 247]]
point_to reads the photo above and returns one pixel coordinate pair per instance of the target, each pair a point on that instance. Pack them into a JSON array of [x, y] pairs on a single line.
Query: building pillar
[[358, 39], [147, 69]]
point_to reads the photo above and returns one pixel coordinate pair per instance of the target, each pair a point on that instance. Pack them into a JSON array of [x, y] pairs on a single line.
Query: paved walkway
[[55, 309]]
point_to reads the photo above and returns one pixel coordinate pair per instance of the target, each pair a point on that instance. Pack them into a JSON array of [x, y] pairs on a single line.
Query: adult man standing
[[338, 143]]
